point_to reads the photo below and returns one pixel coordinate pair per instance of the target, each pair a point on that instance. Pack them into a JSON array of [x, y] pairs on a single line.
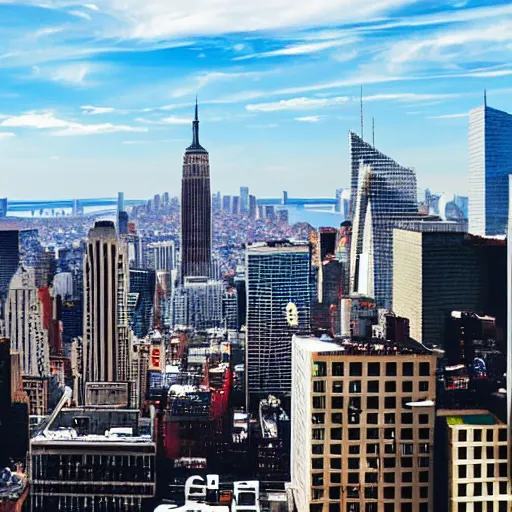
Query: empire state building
[[196, 209]]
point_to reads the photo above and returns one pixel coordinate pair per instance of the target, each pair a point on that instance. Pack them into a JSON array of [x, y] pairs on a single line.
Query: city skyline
[[422, 68]]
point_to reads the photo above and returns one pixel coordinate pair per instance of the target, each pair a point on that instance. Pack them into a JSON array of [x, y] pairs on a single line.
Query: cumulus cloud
[[308, 119], [296, 104], [48, 121]]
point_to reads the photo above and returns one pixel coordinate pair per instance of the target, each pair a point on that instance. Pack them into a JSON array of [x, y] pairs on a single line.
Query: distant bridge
[[77, 205]]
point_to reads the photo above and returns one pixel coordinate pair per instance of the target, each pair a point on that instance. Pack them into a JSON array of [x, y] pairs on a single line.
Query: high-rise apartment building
[[235, 205], [437, 269], [226, 204], [279, 292], [9, 258], [162, 255], [253, 207], [196, 209], [490, 163], [244, 200], [24, 324], [384, 193], [362, 426], [142, 285], [104, 269], [472, 473]]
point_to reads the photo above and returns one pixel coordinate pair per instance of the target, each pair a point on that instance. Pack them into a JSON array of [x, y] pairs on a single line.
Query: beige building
[[435, 271], [477, 462], [362, 426]]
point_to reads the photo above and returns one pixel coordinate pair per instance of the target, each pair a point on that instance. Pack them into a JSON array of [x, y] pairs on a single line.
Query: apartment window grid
[[479, 469], [366, 449]]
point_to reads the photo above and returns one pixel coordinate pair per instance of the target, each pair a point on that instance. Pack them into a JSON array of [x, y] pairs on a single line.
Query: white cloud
[[49, 31], [81, 14], [93, 111], [408, 97], [6, 135], [166, 120], [301, 49], [238, 47], [449, 116], [91, 7], [48, 121], [308, 119], [74, 74], [297, 104]]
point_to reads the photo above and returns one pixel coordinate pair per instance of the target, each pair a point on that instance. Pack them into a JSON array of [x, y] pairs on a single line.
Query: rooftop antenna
[[362, 133], [373, 131], [485, 97]]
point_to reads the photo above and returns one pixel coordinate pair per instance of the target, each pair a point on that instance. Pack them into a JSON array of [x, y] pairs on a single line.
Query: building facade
[[385, 195], [10, 258], [279, 290], [362, 427], [196, 209], [490, 163], [163, 255]]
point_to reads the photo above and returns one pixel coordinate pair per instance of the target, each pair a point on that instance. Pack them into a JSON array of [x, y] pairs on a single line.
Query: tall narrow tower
[[196, 209]]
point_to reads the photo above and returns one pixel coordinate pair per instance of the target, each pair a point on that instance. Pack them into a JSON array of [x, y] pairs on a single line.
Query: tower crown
[[195, 147]]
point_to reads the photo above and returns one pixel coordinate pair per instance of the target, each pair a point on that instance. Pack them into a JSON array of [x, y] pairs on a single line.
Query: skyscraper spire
[[485, 97], [195, 146]]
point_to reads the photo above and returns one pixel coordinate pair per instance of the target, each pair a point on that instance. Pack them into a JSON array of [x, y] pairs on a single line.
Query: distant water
[[317, 218]]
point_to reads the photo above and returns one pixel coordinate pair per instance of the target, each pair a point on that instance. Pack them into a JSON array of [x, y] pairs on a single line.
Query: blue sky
[[98, 97]]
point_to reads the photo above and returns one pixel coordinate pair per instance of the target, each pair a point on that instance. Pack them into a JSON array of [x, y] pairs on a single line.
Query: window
[[424, 433], [407, 477], [353, 507], [389, 478], [463, 453], [337, 386], [336, 418], [408, 369], [372, 449], [318, 494], [389, 433], [462, 490], [353, 478], [354, 434], [423, 493], [423, 419], [373, 369], [335, 449], [319, 402], [317, 463], [318, 434], [406, 507], [335, 478], [407, 386], [424, 369], [389, 449], [354, 462], [477, 436], [390, 369], [390, 402], [336, 434], [319, 386], [477, 452], [405, 401], [406, 462], [423, 477], [337, 369], [424, 462], [389, 462], [319, 506], [423, 386], [490, 489], [463, 436], [334, 507], [390, 386], [336, 464], [461, 507], [463, 472], [502, 452], [502, 469], [371, 493], [407, 448], [317, 479], [372, 462], [373, 386], [317, 449], [490, 435], [489, 452], [372, 433], [407, 418], [356, 369], [371, 507], [503, 487], [319, 369], [389, 493], [372, 418], [406, 433], [354, 386], [424, 448], [477, 489], [334, 493], [406, 493], [372, 402], [389, 418], [318, 418], [371, 478], [353, 493], [354, 449], [337, 402], [502, 435], [477, 471]]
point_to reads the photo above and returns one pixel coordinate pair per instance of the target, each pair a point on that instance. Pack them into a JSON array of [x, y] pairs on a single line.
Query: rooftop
[[370, 347], [469, 417]]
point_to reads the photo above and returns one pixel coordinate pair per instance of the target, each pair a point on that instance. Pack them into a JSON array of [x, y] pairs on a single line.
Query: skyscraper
[[385, 195], [9, 258], [102, 263], [244, 200], [490, 163], [278, 305], [196, 209], [24, 324]]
